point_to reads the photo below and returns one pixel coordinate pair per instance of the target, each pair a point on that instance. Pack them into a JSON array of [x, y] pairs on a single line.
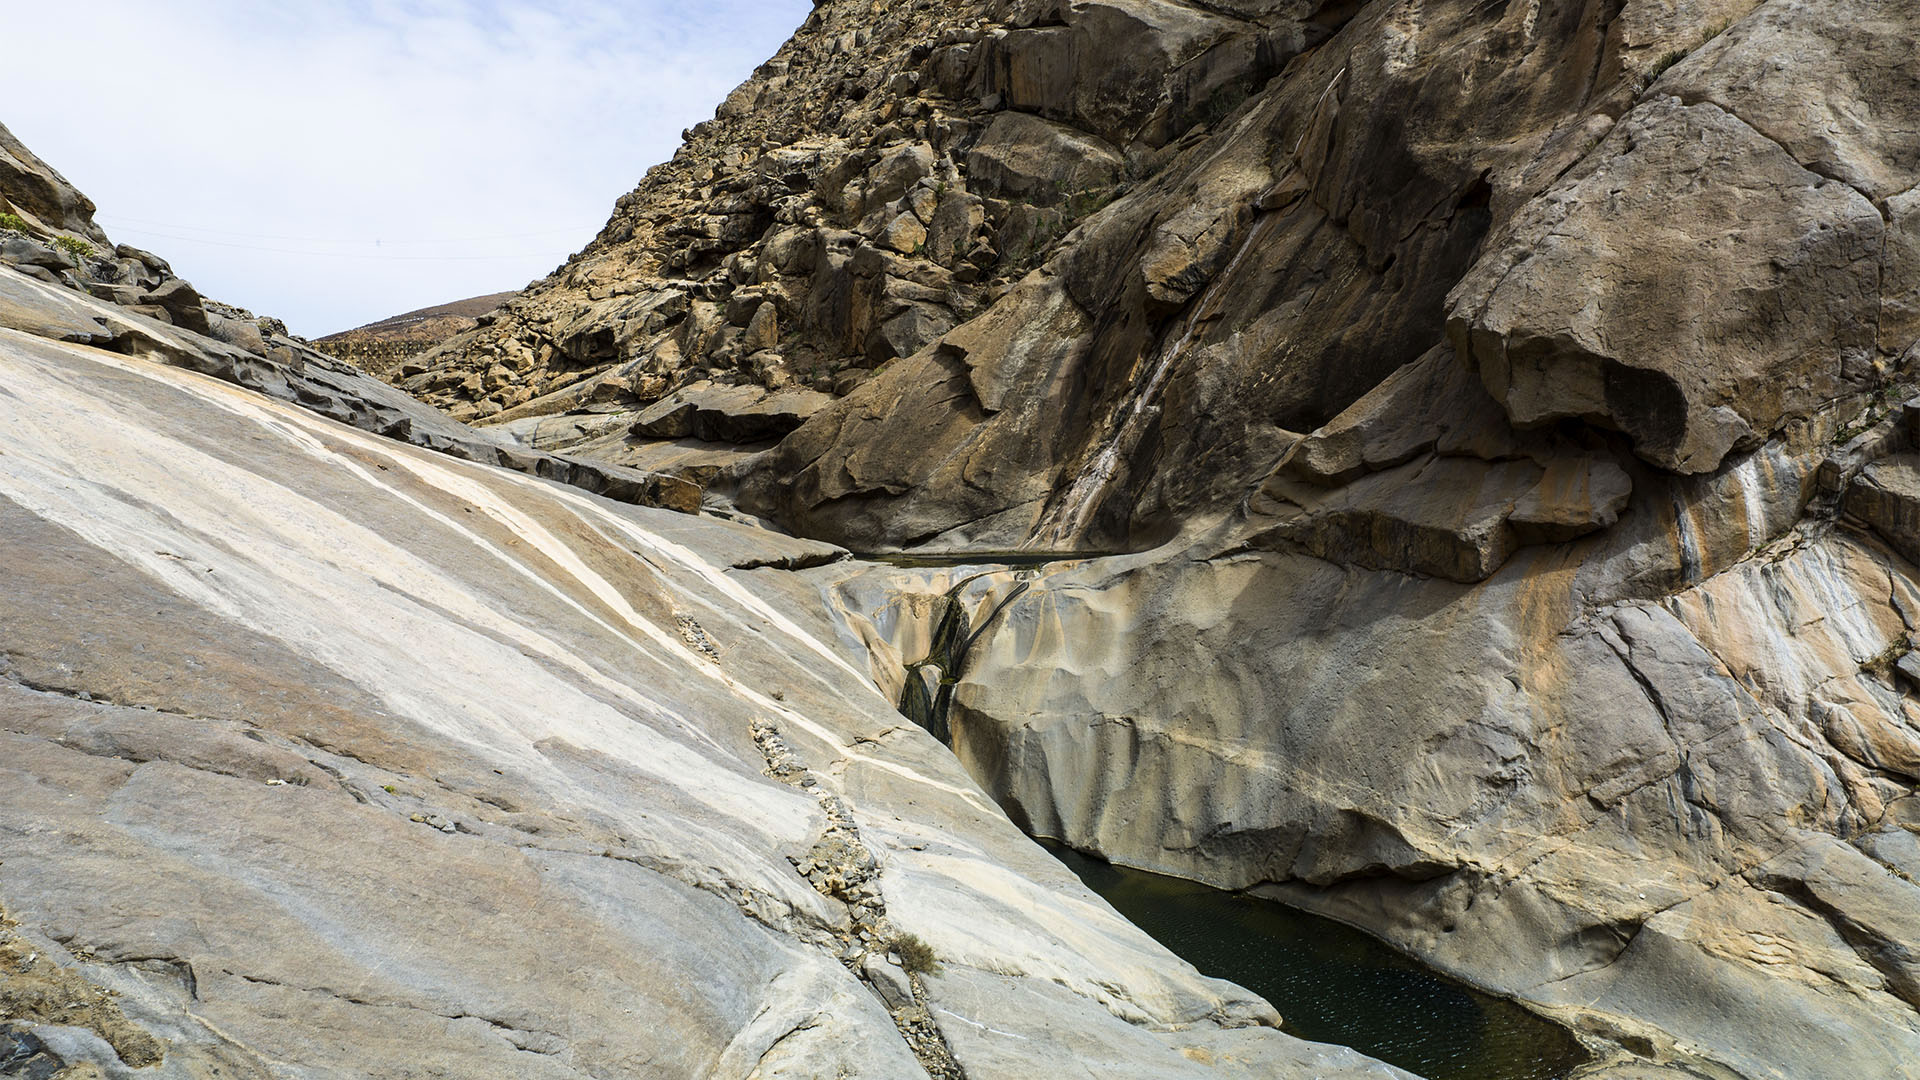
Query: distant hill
[[379, 348]]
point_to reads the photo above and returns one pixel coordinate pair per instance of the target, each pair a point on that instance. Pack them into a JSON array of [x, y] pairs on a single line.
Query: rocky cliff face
[[324, 754], [1503, 405]]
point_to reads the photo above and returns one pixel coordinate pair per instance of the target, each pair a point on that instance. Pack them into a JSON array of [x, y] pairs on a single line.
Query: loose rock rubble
[[840, 866]]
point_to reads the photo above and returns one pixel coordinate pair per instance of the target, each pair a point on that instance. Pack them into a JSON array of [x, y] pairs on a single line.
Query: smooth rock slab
[[1689, 284], [337, 757]]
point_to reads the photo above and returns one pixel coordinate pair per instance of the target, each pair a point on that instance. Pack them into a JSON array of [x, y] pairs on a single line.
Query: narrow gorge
[[1446, 469]]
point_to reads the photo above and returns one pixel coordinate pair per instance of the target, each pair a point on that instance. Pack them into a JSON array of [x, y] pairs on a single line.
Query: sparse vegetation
[[75, 247], [1667, 59], [1673, 56], [1881, 665], [1088, 201], [14, 222], [915, 955]]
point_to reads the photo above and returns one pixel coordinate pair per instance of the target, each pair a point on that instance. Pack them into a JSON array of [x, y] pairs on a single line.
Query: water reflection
[[1335, 984]]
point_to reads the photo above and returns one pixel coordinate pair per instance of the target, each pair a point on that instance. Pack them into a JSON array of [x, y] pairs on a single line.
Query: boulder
[[736, 414], [31, 187], [1644, 292], [239, 333], [1034, 160], [25, 251], [182, 305]]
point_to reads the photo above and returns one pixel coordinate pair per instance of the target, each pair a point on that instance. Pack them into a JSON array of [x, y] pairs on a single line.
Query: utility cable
[[138, 224], [339, 254]]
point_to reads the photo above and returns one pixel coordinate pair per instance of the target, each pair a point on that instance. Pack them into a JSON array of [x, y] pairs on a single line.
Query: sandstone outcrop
[[328, 755], [1501, 405], [1500, 418]]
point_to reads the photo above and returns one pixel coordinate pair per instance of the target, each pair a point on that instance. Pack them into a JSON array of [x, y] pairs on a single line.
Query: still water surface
[[1334, 984]]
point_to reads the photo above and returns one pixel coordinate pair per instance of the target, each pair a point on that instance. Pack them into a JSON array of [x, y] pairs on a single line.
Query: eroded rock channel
[[1502, 420], [1331, 983]]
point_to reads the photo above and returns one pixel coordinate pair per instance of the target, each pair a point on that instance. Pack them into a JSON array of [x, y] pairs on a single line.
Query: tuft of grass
[[915, 955], [74, 246], [1667, 60], [1673, 56]]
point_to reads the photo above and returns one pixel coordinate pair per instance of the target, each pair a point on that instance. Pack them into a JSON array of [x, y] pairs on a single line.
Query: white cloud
[[335, 163]]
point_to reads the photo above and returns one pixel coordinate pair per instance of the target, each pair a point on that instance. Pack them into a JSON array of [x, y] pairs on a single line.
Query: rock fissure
[[842, 868], [529, 1040]]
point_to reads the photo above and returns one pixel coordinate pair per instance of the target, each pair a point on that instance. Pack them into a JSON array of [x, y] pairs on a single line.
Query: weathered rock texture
[[1501, 406], [324, 755], [1511, 392], [892, 173], [131, 303]]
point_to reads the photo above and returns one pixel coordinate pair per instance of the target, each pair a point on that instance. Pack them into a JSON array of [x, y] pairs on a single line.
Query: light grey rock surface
[[332, 756], [288, 371], [1501, 411]]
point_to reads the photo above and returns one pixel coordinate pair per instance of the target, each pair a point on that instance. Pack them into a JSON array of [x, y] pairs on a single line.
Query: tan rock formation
[[1511, 389], [326, 755], [1498, 408]]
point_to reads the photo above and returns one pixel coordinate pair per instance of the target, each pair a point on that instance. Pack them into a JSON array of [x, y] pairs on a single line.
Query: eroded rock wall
[[326, 755]]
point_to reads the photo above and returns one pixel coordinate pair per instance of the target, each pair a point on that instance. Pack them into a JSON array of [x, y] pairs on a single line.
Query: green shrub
[[14, 222], [1667, 60], [1674, 56], [915, 955], [74, 246]]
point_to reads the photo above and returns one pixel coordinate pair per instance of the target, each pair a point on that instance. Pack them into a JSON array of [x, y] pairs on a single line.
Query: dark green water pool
[[1334, 984]]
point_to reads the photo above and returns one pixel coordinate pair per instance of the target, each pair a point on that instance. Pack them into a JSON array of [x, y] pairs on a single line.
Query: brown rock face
[[1514, 390], [1689, 283], [34, 191], [883, 180], [1505, 412]]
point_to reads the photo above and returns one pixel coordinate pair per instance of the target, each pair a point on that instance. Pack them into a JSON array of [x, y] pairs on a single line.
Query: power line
[[137, 222], [340, 254]]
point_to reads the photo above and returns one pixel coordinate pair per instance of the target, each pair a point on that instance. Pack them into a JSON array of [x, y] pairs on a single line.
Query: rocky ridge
[[67, 282], [384, 348], [877, 184], [1502, 406]]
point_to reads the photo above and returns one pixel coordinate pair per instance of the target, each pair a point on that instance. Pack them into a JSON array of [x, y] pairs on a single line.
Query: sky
[[334, 162]]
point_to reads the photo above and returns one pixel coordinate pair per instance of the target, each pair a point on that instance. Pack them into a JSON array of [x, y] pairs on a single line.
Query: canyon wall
[[1499, 406], [324, 754], [1494, 417]]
